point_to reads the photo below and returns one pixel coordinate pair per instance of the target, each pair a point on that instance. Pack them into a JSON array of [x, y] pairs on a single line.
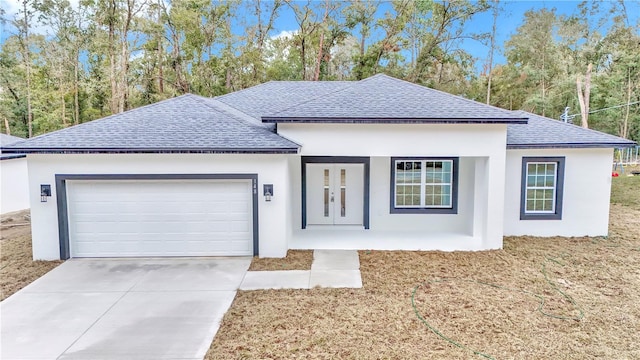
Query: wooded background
[[107, 56]]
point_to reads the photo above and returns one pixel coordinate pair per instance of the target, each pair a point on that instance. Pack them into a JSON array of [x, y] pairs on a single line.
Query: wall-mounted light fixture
[[268, 191], [45, 192]]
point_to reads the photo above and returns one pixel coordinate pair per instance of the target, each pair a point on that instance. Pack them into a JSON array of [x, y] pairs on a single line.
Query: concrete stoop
[[330, 269]]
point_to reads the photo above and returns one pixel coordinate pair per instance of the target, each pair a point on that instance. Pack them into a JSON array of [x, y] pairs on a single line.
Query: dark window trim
[[454, 188], [557, 215], [337, 160], [63, 215]]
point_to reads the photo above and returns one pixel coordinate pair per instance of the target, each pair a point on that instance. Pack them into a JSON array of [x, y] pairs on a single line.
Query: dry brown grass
[[379, 322], [295, 260], [17, 269]]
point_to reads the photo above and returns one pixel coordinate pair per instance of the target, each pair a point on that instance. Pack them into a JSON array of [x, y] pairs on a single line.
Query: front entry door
[[335, 194]]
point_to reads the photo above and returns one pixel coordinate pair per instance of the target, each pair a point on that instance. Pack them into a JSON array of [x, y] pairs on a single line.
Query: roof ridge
[[11, 136], [9, 140], [562, 123], [546, 132], [204, 101], [348, 85], [438, 91], [217, 98], [379, 75], [426, 91], [93, 122], [243, 90], [233, 111]]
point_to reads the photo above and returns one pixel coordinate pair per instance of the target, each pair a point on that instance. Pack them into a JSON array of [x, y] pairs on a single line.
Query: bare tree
[[23, 25], [584, 92], [492, 48]]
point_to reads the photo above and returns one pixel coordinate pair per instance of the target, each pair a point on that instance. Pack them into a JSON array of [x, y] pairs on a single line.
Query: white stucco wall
[[587, 189], [382, 219], [14, 189], [481, 149], [271, 169]]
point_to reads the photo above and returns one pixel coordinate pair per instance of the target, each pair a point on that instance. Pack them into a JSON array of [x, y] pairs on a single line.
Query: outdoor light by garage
[[268, 191], [45, 192]]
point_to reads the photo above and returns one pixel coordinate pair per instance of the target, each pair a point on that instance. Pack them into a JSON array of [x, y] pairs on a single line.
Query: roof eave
[[288, 150], [363, 120], [11, 156], [570, 146]]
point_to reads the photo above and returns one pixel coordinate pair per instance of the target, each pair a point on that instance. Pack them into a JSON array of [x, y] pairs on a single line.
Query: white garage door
[[160, 218]]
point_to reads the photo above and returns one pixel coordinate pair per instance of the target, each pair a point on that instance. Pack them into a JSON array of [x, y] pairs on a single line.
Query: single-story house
[[14, 189], [379, 163]]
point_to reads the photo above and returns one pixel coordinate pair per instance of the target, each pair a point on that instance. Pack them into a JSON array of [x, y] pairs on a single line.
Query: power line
[[609, 108]]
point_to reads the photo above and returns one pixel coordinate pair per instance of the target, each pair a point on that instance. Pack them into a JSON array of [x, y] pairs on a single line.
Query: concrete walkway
[[330, 269]]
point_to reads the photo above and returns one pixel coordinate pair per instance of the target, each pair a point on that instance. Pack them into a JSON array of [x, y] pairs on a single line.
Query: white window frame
[[451, 207], [558, 188], [553, 188]]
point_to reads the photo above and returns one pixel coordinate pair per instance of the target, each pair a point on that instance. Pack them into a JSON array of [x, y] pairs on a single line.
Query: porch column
[[494, 229], [480, 185]]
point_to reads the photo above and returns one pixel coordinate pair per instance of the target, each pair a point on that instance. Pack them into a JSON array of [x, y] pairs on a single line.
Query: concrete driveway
[[121, 309]]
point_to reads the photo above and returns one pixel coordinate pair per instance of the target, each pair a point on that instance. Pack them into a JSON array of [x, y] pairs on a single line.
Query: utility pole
[[565, 115]]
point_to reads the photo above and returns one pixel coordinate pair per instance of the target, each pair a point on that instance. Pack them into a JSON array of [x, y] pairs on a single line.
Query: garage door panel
[[160, 218], [237, 207], [239, 226]]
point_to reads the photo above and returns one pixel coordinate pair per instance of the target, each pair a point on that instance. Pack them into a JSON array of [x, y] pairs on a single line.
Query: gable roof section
[[384, 99], [8, 140], [232, 124], [544, 133], [185, 124], [275, 96]]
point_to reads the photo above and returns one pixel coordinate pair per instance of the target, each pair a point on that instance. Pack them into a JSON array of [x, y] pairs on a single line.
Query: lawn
[[625, 190], [539, 298], [17, 269], [417, 305], [295, 260]]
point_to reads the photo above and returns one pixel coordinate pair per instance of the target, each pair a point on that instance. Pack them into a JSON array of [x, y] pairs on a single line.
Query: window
[[542, 185], [424, 185]]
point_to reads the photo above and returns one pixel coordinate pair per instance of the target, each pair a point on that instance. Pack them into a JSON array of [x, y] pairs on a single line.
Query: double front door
[[335, 194]]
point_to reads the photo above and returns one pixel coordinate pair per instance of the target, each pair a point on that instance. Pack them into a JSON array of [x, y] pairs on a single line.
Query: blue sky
[[509, 20], [511, 17]]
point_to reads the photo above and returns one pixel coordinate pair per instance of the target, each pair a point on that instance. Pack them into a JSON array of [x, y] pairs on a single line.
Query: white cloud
[[274, 45], [11, 9], [285, 34]]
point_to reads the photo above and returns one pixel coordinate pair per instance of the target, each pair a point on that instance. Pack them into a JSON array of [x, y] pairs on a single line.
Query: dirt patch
[[17, 269], [488, 302], [295, 260]]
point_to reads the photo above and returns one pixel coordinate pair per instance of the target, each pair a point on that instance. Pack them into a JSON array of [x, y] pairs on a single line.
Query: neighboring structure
[[374, 164], [14, 190]]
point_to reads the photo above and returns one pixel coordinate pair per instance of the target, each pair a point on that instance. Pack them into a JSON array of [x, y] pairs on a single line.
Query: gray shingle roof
[[188, 123], [543, 132], [8, 139], [275, 96], [383, 99], [232, 123]]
